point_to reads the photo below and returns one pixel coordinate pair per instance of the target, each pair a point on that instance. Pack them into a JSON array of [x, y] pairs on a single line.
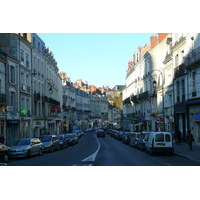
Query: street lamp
[[154, 76], [50, 92]]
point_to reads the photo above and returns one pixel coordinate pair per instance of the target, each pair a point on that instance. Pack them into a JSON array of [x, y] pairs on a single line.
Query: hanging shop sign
[[59, 110], [53, 109]]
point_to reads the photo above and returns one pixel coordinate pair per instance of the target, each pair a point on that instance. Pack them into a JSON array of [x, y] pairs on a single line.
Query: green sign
[[24, 111]]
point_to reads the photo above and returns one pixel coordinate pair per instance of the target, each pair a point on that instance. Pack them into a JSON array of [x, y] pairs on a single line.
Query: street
[[93, 151]]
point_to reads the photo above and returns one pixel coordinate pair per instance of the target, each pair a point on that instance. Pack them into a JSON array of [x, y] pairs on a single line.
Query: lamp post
[[155, 76], [50, 92]]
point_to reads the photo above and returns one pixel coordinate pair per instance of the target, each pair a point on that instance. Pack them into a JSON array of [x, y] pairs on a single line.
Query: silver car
[[26, 148]]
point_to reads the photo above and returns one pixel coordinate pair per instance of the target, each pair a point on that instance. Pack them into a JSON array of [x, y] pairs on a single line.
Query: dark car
[[70, 139], [126, 138], [50, 142], [4, 153], [100, 133], [120, 135], [62, 141]]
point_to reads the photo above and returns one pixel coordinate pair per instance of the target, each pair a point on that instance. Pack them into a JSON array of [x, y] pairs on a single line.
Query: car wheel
[[58, 148], [40, 152], [52, 149], [28, 154], [5, 158]]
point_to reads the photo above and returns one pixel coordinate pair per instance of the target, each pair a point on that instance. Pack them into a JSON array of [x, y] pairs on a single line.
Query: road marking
[[93, 156]]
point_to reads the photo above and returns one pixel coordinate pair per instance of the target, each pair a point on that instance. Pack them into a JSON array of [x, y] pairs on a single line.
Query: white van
[[159, 142]]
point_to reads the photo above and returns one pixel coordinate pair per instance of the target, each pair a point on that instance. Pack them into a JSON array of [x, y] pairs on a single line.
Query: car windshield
[[23, 142], [46, 138]]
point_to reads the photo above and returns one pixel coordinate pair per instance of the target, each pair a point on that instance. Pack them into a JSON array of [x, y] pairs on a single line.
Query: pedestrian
[[190, 139], [178, 137], [2, 139]]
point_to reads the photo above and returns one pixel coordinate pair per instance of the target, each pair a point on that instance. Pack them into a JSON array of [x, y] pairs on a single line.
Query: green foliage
[[117, 100]]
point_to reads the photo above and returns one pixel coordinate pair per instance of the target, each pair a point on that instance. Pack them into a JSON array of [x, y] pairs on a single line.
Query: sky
[[99, 58]]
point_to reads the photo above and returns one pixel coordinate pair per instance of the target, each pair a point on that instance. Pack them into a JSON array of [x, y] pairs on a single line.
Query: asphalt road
[[93, 151]]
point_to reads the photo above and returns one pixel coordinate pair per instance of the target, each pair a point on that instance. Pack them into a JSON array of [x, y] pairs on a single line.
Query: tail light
[[152, 143]]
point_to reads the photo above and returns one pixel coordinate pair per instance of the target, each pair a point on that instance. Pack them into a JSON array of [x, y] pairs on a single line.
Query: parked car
[[126, 137], [108, 131], [100, 133], [50, 143], [112, 132], [134, 139], [62, 141], [120, 135], [76, 138], [70, 139], [78, 133], [142, 140], [4, 153], [159, 142], [26, 148]]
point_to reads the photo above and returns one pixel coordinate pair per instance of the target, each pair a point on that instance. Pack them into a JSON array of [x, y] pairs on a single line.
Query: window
[[38, 46], [12, 99], [159, 137], [27, 60], [176, 61], [194, 81], [33, 42], [167, 138], [22, 56], [12, 74], [178, 91]]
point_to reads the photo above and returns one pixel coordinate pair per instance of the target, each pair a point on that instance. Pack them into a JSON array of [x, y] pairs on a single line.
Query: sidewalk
[[183, 150]]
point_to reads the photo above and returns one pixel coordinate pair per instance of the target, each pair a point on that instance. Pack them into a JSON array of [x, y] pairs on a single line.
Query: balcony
[[143, 96], [179, 71], [192, 58]]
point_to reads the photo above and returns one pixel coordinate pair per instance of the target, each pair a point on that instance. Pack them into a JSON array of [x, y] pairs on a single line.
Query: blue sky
[[99, 58]]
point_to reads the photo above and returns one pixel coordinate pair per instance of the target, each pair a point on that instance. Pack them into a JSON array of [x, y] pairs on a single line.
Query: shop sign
[[12, 115], [53, 109]]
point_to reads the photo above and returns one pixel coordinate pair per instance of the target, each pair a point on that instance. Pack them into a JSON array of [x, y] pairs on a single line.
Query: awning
[[138, 124]]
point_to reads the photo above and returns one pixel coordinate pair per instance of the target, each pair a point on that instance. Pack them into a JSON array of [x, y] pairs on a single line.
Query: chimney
[[162, 36], [130, 63], [154, 41]]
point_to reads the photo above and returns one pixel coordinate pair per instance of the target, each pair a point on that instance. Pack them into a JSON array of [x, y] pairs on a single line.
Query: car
[[142, 140], [50, 143], [70, 139], [100, 133], [4, 153], [134, 139], [78, 133], [159, 142], [120, 135], [76, 137], [62, 141], [26, 148], [126, 138]]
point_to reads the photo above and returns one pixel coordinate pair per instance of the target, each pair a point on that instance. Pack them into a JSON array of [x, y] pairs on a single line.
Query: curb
[[188, 157]]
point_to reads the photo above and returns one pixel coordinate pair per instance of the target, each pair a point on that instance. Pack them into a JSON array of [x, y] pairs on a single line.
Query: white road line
[[93, 156]]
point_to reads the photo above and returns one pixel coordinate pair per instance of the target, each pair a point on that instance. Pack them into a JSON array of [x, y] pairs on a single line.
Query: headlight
[[47, 145], [60, 142]]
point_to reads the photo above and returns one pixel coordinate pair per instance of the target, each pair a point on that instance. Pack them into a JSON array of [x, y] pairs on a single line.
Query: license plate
[[160, 144]]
